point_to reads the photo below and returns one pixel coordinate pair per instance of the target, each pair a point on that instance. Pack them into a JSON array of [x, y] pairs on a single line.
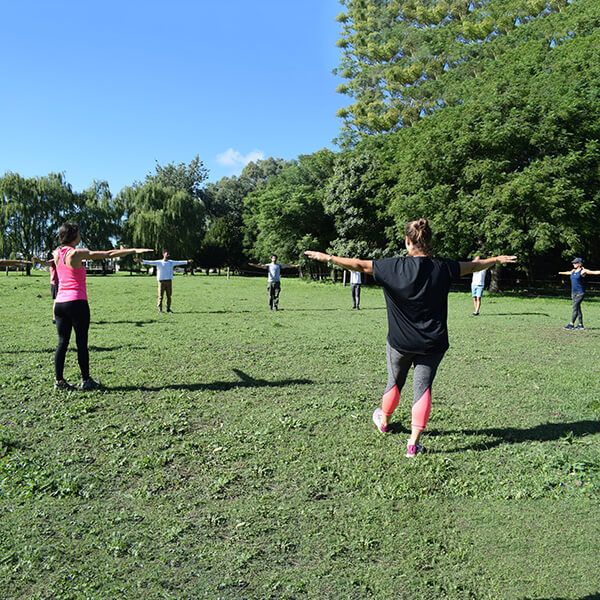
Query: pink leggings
[[425, 368]]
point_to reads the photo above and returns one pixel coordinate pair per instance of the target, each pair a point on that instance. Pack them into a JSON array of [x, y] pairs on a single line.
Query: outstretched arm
[[39, 261], [80, 254], [14, 263], [177, 263], [565, 272], [258, 266], [479, 264], [588, 272], [352, 264], [289, 266]]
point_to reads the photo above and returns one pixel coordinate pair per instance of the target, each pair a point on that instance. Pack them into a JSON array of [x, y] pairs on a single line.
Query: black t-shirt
[[416, 294]]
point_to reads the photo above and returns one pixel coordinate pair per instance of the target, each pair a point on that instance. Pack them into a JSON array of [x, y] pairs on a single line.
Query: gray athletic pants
[[577, 314], [355, 289], [398, 365]]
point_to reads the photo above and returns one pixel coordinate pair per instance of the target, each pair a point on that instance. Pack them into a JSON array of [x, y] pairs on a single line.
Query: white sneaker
[[377, 418]]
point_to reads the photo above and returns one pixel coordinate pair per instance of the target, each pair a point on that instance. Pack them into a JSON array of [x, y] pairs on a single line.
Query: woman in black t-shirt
[[416, 293]]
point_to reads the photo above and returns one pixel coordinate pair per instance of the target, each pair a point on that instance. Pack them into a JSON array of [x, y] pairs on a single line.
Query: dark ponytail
[[419, 233]]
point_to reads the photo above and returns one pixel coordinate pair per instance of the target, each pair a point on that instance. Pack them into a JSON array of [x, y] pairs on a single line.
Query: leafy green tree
[[287, 214], [514, 168], [356, 198], [167, 211], [98, 216], [258, 173], [222, 246], [226, 198], [163, 218], [32, 210], [396, 54], [188, 178]]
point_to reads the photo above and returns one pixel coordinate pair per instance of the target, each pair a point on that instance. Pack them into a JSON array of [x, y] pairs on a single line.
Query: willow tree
[[162, 218], [31, 211]]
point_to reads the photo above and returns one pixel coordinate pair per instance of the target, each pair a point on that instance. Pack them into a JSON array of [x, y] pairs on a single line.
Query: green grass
[[232, 454]]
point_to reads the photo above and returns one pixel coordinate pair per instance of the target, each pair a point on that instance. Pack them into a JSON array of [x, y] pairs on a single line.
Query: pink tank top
[[72, 281]]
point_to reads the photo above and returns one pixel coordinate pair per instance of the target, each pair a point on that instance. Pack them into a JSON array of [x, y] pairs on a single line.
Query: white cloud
[[235, 159]]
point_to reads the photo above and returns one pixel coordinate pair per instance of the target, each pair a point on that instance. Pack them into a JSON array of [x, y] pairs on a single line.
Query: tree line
[[494, 136]]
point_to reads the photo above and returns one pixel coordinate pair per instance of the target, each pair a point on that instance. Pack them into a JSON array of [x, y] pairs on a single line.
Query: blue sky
[[102, 90]]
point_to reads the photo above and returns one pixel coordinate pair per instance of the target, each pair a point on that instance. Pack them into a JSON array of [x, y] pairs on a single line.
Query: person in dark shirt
[[577, 273], [416, 291]]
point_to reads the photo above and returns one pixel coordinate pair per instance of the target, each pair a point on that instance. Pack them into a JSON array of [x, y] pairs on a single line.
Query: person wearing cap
[[577, 273]]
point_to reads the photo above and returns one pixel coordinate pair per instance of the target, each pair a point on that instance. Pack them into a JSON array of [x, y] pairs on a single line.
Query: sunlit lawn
[[232, 453]]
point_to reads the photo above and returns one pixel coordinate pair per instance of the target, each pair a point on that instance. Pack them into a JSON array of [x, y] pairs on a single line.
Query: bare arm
[[258, 266], [39, 261], [14, 263], [565, 272], [352, 264], [75, 258], [479, 264], [588, 272]]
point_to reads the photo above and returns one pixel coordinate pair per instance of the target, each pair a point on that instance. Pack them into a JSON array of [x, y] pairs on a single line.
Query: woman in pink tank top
[[71, 308]]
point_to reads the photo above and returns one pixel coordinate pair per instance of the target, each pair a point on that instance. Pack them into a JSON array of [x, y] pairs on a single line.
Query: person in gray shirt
[[273, 279]]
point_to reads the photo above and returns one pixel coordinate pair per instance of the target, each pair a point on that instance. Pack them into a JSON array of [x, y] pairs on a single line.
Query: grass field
[[232, 453]]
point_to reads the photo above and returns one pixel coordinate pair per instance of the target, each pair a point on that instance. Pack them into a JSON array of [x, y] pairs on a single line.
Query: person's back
[[416, 292], [72, 281]]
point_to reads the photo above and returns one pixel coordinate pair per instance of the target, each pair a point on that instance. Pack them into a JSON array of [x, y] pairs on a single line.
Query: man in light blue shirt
[[273, 279], [164, 276]]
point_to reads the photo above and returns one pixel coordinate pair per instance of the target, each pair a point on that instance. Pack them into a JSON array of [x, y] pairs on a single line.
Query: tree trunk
[[495, 278]]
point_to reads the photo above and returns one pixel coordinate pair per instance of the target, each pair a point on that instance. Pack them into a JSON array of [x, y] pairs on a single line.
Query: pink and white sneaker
[[413, 449], [377, 418]]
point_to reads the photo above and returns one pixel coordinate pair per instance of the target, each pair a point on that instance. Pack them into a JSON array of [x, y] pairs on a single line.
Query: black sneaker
[[580, 327], [169, 310], [569, 326], [89, 384], [63, 385]]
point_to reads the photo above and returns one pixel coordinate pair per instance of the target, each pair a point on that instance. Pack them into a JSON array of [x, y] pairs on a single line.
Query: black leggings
[[72, 315]]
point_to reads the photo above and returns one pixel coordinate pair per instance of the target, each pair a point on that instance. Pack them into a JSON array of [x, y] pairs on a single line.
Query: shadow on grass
[[108, 349], [72, 348], [511, 435], [125, 322], [217, 386], [515, 314], [395, 428], [213, 312]]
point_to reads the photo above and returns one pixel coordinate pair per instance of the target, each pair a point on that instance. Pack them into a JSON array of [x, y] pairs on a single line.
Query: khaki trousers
[[165, 286]]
